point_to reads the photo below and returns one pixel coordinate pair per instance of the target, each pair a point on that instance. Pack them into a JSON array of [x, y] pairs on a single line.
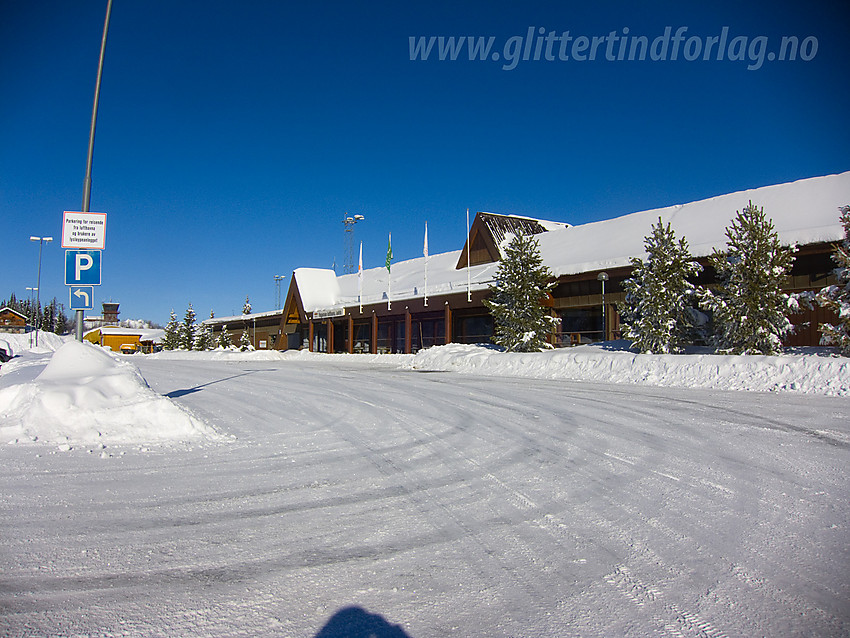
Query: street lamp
[[603, 277], [40, 241], [32, 307]]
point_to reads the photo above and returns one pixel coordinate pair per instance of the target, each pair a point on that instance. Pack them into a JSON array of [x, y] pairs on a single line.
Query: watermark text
[[542, 44]]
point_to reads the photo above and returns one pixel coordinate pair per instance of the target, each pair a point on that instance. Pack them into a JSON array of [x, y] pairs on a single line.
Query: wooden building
[[12, 321], [436, 300], [126, 340], [263, 329]]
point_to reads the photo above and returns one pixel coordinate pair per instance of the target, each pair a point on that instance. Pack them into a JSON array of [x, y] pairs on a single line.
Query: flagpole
[[425, 252], [389, 272], [468, 251], [360, 279]]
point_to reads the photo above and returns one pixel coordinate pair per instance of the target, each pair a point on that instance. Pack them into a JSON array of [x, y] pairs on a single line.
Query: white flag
[[425, 249], [425, 252], [360, 278]]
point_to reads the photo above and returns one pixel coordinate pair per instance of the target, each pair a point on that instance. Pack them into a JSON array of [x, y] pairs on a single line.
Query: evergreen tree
[[171, 338], [48, 317], [188, 330], [246, 307], [204, 339], [750, 309], [522, 323], [224, 338], [245, 341], [658, 314], [62, 326], [837, 297]]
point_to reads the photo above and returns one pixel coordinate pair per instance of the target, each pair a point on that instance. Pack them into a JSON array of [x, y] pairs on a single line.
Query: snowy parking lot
[[352, 496]]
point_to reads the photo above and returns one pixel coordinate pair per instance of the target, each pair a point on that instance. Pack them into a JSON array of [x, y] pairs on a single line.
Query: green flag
[[389, 252]]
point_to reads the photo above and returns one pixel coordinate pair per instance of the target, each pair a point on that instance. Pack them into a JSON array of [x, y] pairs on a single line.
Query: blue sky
[[233, 137]]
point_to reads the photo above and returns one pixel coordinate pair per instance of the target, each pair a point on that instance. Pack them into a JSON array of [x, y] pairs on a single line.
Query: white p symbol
[[80, 259]]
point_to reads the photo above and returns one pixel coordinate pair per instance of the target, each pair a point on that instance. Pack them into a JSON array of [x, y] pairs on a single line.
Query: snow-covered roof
[[242, 317], [803, 212], [318, 288]]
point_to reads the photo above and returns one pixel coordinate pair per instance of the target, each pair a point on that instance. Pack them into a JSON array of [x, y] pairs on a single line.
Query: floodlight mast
[[349, 221]]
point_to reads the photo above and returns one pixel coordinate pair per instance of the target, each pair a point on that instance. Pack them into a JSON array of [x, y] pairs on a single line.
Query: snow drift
[[807, 373], [84, 395]]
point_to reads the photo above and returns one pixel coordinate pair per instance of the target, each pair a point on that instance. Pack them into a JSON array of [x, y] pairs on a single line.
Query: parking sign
[[82, 267]]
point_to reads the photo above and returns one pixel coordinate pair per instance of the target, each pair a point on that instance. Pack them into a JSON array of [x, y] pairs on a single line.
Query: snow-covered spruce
[[750, 310], [522, 324], [837, 297], [171, 338], [659, 315], [187, 330], [204, 338], [245, 341], [224, 338]]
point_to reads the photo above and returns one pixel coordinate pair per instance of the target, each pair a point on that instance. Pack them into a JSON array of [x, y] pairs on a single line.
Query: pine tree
[[224, 338], [750, 309], [204, 339], [522, 323], [171, 338], [658, 314], [63, 326], [188, 329], [837, 297], [245, 341], [246, 307]]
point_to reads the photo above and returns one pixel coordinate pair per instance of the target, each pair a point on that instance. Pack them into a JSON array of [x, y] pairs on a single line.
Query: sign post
[[85, 235]]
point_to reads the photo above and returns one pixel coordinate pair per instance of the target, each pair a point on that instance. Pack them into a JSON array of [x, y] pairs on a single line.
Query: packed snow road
[[363, 499]]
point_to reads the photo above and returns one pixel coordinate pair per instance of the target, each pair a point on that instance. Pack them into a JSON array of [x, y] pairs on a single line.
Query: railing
[[577, 338]]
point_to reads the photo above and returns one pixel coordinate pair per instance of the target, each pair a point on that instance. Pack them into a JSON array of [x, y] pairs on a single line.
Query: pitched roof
[[12, 310], [803, 212]]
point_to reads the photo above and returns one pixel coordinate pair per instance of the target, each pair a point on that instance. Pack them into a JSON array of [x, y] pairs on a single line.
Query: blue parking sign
[[82, 267]]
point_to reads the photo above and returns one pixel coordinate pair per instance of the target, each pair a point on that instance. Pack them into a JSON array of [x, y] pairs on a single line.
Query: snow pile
[[86, 396], [219, 354], [47, 342], [806, 373]]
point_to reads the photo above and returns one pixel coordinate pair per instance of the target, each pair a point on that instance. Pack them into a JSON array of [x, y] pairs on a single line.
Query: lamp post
[[87, 180], [40, 241], [32, 307], [603, 277]]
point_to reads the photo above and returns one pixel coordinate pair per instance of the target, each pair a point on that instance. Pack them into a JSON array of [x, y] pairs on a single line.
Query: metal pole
[[604, 323], [38, 292], [87, 180], [603, 277]]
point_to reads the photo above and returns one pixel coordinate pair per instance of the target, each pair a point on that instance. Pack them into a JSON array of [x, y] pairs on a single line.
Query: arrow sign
[[82, 297], [82, 267]]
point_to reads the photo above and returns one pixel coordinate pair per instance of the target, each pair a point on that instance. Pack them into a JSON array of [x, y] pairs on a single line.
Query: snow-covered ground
[[604, 494]]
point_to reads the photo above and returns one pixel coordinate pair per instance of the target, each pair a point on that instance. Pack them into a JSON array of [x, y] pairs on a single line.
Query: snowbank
[[806, 373], [84, 395], [47, 342], [220, 354]]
